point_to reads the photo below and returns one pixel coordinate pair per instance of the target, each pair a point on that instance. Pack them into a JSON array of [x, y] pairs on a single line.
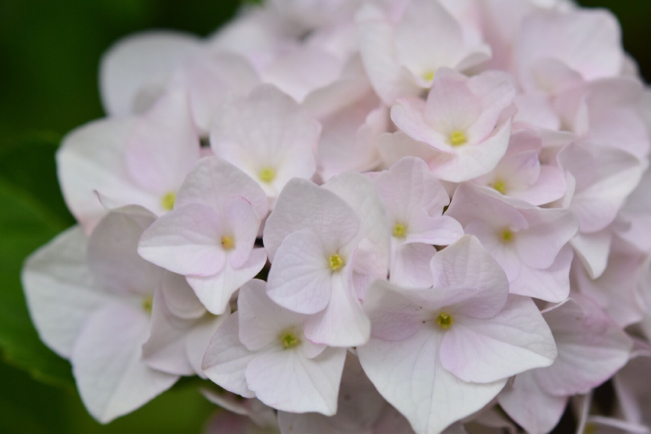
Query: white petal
[[287, 380], [60, 290], [92, 158], [551, 284], [409, 375], [261, 320], [186, 241], [140, 61], [226, 359], [343, 323], [107, 363], [215, 291], [200, 186], [530, 406], [515, 340], [113, 255], [465, 264], [300, 278], [303, 205], [591, 348], [163, 145]]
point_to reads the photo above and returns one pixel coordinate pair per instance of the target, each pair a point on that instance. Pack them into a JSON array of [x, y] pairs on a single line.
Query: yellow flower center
[[167, 202], [289, 340], [458, 138], [506, 235], [444, 320], [227, 242], [590, 428], [148, 303], [500, 186], [429, 75], [336, 262], [267, 175], [399, 230]]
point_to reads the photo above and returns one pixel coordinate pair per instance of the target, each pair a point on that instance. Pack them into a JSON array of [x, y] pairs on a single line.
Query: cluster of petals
[[362, 216]]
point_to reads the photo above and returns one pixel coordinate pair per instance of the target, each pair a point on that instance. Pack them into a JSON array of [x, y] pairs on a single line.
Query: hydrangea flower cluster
[[362, 216]]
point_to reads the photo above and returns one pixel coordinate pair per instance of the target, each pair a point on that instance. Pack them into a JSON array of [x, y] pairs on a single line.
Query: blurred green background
[[49, 55]]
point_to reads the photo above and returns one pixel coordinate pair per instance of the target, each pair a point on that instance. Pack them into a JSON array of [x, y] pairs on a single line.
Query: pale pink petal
[[214, 182], [394, 316], [473, 160], [261, 320], [451, 104], [604, 178], [548, 232], [625, 263], [409, 185], [515, 340], [92, 158], [60, 290], [588, 41], [551, 284], [289, 381], [114, 260], [300, 72], [164, 350], [343, 322], [180, 299], [439, 231], [210, 80], [376, 36], [163, 145], [111, 377], [465, 264], [139, 63], [393, 147], [593, 250], [591, 349], [303, 205], [300, 278], [495, 90], [410, 265], [186, 241], [530, 406], [550, 186], [267, 130], [408, 374], [244, 224], [371, 244], [226, 359], [216, 291]]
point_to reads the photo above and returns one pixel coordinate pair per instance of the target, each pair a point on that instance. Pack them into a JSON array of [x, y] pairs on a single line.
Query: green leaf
[[25, 225], [32, 214]]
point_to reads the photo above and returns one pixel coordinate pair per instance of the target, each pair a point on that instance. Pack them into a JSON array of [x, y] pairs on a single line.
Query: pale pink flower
[[599, 181], [136, 160], [554, 46], [90, 300], [209, 236], [267, 136], [393, 44], [591, 349], [530, 243], [463, 121], [326, 245], [262, 351], [181, 328], [521, 175], [617, 289], [440, 354], [414, 201]]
